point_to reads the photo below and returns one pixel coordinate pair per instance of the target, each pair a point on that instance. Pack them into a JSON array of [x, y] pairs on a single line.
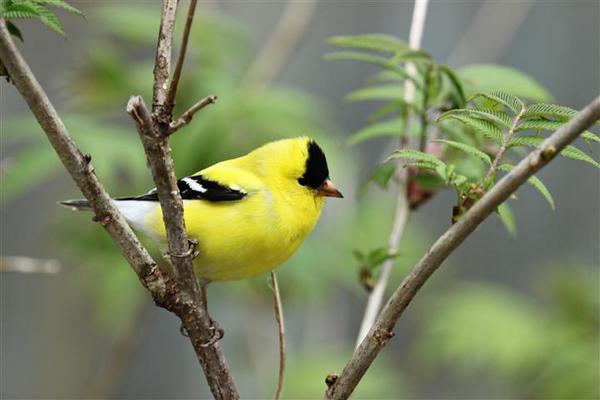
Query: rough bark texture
[[179, 293], [382, 331]]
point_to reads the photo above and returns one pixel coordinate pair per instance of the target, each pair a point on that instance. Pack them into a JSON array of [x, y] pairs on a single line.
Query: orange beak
[[328, 190]]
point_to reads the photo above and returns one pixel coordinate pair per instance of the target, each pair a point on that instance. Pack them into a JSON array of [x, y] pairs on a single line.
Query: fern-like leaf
[[536, 183], [416, 155], [538, 124], [12, 28], [60, 4], [506, 99], [467, 149], [496, 117], [570, 151], [544, 110], [46, 16], [587, 135], [507, 218], [456, 83], [549, 125], [376, 42], [19, 11], [486, 128]]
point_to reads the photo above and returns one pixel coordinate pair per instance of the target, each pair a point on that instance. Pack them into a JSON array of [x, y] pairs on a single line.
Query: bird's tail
[[76, 204]]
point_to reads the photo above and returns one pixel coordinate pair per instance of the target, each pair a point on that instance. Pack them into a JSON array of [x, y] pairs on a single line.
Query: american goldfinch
[[248, 214]]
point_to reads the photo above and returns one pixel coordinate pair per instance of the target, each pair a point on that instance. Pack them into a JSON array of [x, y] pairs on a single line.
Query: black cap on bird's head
[[316, 172]]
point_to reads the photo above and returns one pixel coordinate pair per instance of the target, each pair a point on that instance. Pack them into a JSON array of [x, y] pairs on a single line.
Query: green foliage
[[368, 263], [507, 218], [38, 9]]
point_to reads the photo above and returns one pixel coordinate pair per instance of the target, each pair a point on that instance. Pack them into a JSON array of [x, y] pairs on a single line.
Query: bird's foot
[[217, 334], [191, 251]]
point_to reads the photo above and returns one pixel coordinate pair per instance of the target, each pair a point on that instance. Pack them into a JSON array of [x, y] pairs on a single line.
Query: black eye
[[316, 170]]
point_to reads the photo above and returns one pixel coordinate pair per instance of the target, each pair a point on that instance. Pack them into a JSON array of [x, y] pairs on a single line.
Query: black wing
[[197, 187]]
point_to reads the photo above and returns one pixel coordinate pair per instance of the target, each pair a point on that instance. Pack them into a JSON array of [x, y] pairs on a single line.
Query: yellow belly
[[245, 238]]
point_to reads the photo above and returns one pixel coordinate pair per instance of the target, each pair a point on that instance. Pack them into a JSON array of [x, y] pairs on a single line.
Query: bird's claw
[[217, 334]]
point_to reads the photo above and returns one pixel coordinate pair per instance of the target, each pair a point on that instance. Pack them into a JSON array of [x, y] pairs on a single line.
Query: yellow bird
[[248, 214]]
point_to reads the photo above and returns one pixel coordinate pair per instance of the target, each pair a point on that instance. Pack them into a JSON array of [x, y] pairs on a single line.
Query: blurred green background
[[504, 317]]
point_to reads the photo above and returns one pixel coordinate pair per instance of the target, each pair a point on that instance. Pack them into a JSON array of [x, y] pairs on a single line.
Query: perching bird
[[248, 214]]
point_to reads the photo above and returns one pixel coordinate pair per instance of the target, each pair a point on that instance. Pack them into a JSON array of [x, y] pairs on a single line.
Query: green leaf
[[486, 128], [467, 149], [507, 218], [376, 42], [46, 16], [382, 174], [456, 82], [538, 124], [539, 185], [417, 155], [506, 99], [371, 59], [12, 28], [550, 111], [60, 4], [570, 151], [383, 92], [496, 117], [536, 183], [20, 11], [490, 78], [590, 136], [392, 127]]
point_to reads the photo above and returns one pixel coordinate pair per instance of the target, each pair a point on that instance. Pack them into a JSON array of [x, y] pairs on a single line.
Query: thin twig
[[170, 101], [383, 328], [187, 116], [281, 42], [505, 141], [402, 209], [28, 265], [281, 325]]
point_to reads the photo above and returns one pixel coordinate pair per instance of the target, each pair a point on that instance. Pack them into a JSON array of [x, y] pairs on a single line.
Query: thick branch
[[382, 330], [79, 167], [154, 133], [191, 311]]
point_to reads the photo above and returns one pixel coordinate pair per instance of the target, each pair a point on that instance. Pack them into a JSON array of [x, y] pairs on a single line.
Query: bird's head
[[301, 162]]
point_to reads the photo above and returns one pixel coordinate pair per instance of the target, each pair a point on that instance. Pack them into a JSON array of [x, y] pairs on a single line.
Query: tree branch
[[79, 167], [179, 295], [162, 63], [154, 133], [402, 209], [382, 330], [170, 101], [187, 116]]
